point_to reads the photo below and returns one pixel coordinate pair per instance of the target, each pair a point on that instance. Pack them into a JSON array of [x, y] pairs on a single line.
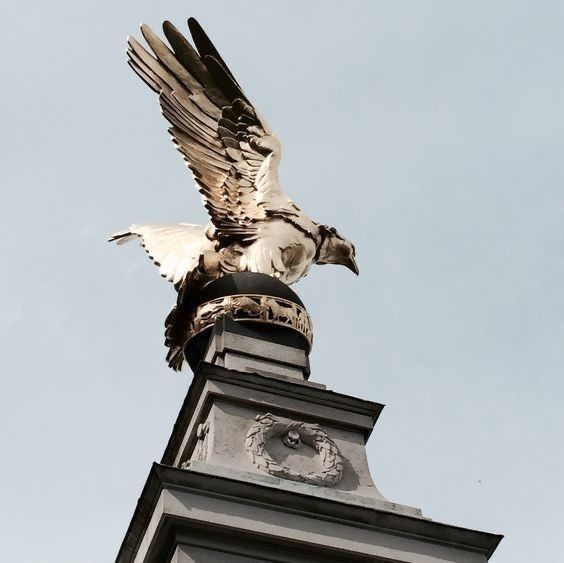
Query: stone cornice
[[163, 478]]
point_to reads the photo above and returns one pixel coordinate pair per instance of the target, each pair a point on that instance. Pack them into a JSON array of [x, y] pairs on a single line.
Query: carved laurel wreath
[[269, 426], [253, 308]]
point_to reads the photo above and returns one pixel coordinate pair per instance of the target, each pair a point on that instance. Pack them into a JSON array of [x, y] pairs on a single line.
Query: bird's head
[[335, 249]]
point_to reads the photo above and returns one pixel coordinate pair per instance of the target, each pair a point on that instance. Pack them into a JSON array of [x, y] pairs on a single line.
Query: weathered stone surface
[[271, 467], [193, 554], [229, 347], [228, 402], [249, 519]]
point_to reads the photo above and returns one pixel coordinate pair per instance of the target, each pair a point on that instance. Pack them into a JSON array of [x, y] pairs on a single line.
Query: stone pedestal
[[263, 465]]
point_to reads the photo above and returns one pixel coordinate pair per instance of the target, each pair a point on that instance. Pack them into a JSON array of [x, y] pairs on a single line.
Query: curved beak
[[351, 265]]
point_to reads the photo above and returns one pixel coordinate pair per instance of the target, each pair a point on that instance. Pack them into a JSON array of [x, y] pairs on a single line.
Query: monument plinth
[[264, 465]]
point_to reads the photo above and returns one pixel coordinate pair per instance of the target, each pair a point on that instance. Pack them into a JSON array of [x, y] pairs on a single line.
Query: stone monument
[[263, 465]]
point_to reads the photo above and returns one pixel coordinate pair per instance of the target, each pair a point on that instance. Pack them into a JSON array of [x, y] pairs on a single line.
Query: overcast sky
[[430, 132]]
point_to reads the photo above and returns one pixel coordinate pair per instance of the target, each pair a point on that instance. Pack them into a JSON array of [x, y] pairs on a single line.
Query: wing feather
[[205, 46], [175, 249], [190, 59], [218, 132]]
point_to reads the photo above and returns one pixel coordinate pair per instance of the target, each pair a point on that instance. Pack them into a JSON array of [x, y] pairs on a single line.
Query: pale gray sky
[[431, 132]]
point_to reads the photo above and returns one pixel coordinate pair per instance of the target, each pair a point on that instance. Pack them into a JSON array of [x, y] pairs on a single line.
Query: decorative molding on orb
[[258, 308], [293, 434]]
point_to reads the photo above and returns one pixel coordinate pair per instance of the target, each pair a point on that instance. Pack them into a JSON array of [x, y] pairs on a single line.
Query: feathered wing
[[229, 148], [175, 249]]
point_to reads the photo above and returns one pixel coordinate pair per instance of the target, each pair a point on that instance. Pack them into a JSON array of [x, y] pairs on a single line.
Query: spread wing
[[175, 249], [229, 148]]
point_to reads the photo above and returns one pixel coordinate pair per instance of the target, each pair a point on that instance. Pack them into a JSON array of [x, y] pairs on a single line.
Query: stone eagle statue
[[234, 157]]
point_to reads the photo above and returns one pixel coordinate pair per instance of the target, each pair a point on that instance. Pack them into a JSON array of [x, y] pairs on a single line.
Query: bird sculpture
[[234, 157]]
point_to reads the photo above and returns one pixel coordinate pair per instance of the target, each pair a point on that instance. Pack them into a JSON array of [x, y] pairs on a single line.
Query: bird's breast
[[280, 250]]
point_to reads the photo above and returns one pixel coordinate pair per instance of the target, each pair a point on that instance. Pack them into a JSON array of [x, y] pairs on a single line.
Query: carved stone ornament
[[201, 452], [201, 449], [293, 434], [263, 308]]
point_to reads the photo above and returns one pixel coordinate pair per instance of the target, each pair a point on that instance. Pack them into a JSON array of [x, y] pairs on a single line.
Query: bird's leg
[[209, 263], [208, 269]]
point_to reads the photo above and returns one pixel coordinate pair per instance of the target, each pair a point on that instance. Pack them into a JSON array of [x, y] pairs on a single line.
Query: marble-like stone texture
[[234, 484]]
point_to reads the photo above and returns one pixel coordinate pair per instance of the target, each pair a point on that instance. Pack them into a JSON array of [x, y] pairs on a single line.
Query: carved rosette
[[292, 432], [262, 308]]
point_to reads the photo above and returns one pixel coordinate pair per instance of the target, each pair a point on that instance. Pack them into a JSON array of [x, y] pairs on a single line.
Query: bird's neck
[[323, 246], [303, 224]]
